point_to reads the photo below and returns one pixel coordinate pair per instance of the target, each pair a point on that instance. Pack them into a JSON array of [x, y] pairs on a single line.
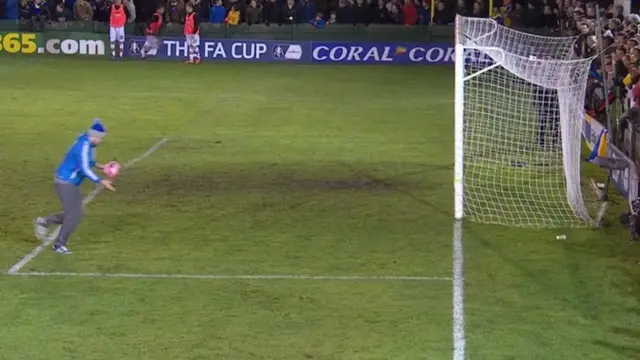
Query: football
[[112, 169]]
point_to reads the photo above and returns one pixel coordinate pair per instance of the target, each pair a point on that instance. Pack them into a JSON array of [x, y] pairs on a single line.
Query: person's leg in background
[[121, 38], [196, 48], [189, 49], [113, 37]]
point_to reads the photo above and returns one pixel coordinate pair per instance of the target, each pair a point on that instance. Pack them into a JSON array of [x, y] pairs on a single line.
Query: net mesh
[[522, 127]]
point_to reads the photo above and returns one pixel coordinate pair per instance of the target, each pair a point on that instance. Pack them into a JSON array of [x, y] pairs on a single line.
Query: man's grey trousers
[[71, 214]]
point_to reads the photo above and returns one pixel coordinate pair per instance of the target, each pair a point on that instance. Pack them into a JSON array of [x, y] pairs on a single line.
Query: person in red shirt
[[117, 19], [153, 28], [409, 13], [192, 33]]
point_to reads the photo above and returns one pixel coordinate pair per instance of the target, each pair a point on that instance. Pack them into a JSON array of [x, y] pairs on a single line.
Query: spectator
[[217, 13], [131, 11], [233, 17], [253, 13], [496, 15], [620, 72], [240, 7], [201, 8], [616, 12], [175, 11], [34, 7], [306, 11], [442, 15], [425, 13], [506, 15], [591, 12], [343, 14], [613, 25], [333, 18], [62, 14], [25, 10], [395, 14], [380, 13], [272, 12], [39, 11], [558, 16], [532, 16], [409, 13], [318, 22], [361, 13], [82, 10], [461, 8], [477, 9], [550, 19], [516, 15], [621, 51], [101, 10], [65, 3], [576, 17], [290, 11]]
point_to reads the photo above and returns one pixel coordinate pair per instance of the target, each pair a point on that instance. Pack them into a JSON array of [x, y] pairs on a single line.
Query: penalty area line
[[89, 198], [235, 277]]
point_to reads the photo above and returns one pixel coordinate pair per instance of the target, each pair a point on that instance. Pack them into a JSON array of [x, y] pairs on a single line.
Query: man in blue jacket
[[76, 165]]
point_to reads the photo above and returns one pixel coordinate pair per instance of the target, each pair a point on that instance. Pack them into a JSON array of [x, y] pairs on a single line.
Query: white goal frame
[[460, 78], [549, 64]]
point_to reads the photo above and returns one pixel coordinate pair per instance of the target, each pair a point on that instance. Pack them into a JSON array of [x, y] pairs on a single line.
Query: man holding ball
[[75, 167]]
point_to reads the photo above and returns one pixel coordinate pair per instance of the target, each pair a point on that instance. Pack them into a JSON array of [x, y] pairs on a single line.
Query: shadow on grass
[[424, 173], [263, 177]]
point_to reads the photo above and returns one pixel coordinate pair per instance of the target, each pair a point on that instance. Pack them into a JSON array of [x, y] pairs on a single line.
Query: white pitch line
[[89, 198], [459, 342], [235, 277]]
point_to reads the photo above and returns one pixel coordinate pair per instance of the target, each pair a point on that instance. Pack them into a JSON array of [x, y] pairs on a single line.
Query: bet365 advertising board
[[54, 43]]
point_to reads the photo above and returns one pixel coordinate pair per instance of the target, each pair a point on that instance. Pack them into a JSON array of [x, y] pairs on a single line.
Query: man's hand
[[108, 184]]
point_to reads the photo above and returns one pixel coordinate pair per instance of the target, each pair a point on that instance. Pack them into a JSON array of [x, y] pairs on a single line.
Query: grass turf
[[276, 169]]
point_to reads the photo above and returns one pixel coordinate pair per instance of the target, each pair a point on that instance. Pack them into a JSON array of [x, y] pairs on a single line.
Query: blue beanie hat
[[97, 129]]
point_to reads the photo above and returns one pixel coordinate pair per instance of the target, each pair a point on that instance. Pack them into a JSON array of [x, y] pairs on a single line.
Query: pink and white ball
[[112, 169]]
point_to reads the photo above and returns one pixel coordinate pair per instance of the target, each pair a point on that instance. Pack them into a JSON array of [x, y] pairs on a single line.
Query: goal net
[[519, 115]]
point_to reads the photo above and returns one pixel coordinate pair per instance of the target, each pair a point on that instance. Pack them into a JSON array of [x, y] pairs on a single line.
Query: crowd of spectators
[[551, 14], [529, 13], [614, 80], [233, 12], [71, 10]]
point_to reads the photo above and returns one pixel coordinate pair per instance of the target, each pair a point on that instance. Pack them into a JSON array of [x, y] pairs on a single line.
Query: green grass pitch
[[274, 169]]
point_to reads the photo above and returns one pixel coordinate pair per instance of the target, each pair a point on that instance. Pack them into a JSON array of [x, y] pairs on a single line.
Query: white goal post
[[519, 109]]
